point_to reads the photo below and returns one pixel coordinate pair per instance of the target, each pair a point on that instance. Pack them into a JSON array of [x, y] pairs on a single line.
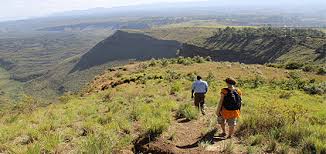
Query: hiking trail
[[192, 137]]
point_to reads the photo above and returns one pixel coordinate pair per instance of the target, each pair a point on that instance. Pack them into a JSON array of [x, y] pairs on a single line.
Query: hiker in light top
[[228, 110], [199, 89]]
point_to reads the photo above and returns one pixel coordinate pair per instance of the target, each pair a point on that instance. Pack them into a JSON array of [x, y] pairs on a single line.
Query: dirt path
[[194, 137]]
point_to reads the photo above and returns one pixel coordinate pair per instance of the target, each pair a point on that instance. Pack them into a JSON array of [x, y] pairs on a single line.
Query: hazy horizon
[[23, 9]]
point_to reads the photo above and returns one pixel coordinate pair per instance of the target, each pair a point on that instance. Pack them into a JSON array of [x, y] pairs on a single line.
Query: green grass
[[110, 120], [187, 111], [9, 88]]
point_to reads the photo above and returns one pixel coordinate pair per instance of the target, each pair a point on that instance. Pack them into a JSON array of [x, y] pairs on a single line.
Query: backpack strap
[[228, 90]]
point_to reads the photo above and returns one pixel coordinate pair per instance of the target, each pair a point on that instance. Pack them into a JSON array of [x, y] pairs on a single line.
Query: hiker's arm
[[192, 93], [219, 107], [206, 88], [192, 90]]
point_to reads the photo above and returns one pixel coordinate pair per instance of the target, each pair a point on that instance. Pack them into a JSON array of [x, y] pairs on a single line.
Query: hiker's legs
[[221, 121], [231, 123], [200, 102], [202, 107], [223, 128], [197, 100], [231, 131]]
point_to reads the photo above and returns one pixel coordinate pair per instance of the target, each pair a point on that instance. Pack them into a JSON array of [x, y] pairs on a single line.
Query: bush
[[176, 87], [274, 65], [315, 89], [322, 71], [27, 104], [294, 75], [271, 147], [293, 65], [97, 144], [286, 94], [308, 68], [208, 58], [199, 59], [154, 126], [185, 61], [255, 140], [165, 62], [187, 111], [152, 63], [210, 78], [154, 117], [252, 83]]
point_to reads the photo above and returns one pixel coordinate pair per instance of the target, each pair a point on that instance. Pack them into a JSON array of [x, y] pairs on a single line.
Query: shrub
[[322, 71], [315, 89], [271, 147], [27, 104], [152, 63], [208, 58], [185, 61], [257, 82], [251, 150], [294, 134], [154, 117], [286, 94], [274, 65], [97, 144], [172, 75], [252, 83], [308, 68], [199, 59], [255, 140], [293, 65], [187, 111], [118, 75], [210, 78], [176, 87], [228, 147], [155, 125], [65, 98], [294, 75], [283, 149], [191, 76], [165, 62]]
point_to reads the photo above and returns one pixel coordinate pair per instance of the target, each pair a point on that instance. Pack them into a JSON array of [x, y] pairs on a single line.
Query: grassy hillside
[[30, 56], [263, 45], [146, 107], [8, 88]]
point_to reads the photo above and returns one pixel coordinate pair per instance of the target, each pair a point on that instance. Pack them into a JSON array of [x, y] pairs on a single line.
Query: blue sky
[[18, 9]]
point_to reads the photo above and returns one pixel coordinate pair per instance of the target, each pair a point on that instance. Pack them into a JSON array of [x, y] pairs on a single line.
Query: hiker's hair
[[231, 81], [199, 77]]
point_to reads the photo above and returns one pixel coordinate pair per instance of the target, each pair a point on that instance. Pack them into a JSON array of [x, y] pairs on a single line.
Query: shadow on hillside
[[219, 55], [209, 137], [124, 46]]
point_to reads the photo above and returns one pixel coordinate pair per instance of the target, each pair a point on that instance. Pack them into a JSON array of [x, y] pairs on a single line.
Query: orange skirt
[[230, 114]]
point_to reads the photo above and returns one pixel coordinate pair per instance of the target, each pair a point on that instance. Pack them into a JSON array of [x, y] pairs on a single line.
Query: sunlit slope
[[136, 108]]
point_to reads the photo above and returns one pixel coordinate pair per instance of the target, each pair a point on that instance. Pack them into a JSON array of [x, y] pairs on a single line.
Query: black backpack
[[232, 100]]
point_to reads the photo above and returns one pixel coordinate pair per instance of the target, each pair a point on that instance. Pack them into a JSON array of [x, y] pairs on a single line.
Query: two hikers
[[228, 110]]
